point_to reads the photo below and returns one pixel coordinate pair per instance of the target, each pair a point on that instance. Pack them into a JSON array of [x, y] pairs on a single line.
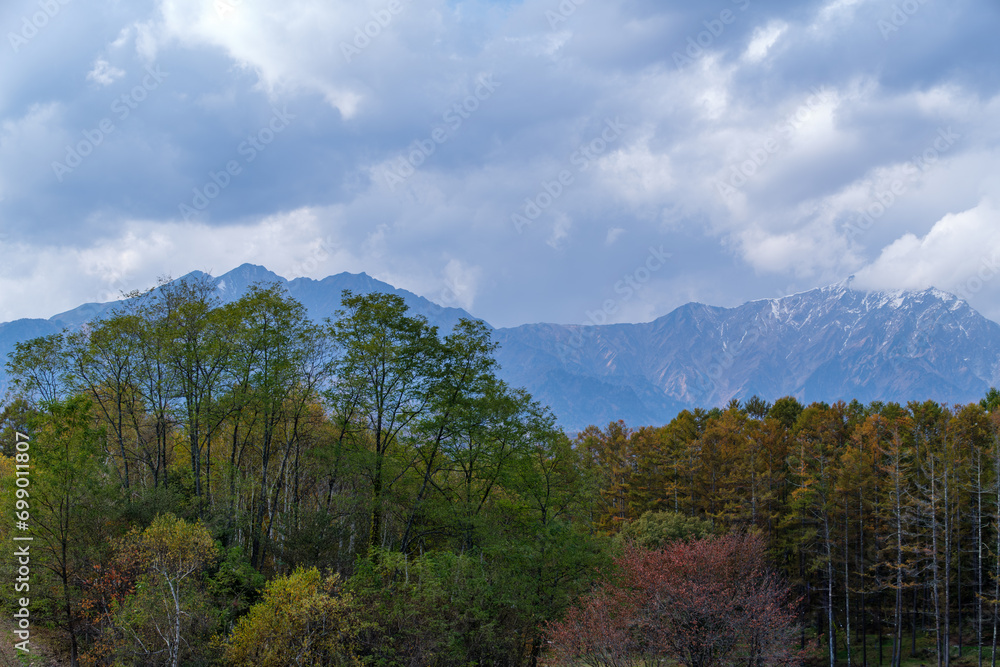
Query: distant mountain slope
[[320, 297], [825, 344], [17, 331]]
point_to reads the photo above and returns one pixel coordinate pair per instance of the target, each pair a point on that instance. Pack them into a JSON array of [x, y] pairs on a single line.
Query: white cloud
[[812, 251], [257, 35], [52, 278], [41, 280], [961, 251], [638, 174], [104, 73], [841, 11], [460, 284], [763, 39], [560, 231]]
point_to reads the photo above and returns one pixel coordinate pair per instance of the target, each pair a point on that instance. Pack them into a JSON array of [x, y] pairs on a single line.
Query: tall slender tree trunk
[[375, 536], [175, 650], [121, 445], [830, 625], [881, 641], [979, 558], [936, 578], [208, 470], [161, 445], [262, 501], [996, 571], [897, 640], [947, 567], [863, 617], [71, 626], [847, 588]]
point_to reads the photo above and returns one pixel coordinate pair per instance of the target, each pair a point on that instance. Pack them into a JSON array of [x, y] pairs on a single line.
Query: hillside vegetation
[[234, 484]]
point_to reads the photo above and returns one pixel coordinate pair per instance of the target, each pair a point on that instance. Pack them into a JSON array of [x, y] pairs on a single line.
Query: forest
[[218, 483]]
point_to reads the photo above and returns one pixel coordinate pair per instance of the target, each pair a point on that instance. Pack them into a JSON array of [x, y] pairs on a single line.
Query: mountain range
[[825, 344]]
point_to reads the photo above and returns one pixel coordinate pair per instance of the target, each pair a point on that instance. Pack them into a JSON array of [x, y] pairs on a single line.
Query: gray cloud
[[818, 106]]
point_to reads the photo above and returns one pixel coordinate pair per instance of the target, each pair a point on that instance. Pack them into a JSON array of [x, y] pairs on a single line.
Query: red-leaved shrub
[[703, 603]]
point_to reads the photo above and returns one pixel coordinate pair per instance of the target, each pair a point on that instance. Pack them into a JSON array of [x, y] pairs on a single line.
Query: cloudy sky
[[568, 161]]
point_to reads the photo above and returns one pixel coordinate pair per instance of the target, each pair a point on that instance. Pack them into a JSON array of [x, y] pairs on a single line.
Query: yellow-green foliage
[[655, 530], [175, 548], [302, 620], [7, 560], [166, 615]]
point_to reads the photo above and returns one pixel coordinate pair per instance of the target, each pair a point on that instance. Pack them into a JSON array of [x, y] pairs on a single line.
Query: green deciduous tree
[[655, 530], [66, 500], [165, 617], [383, 379]]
